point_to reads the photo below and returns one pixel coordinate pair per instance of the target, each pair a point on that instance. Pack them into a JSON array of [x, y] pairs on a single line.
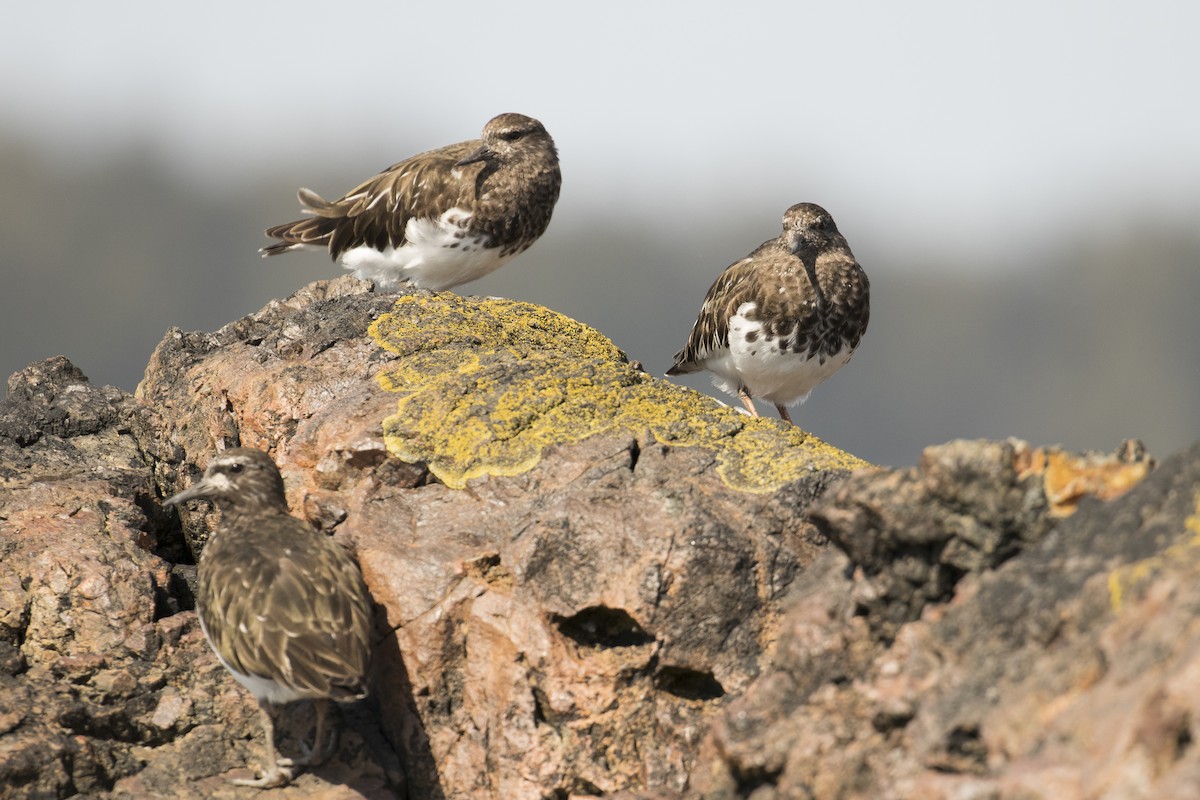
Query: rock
[[589, 582], [106, 682], [1065, 669], [79, 582], [967, 507], [539, 521]]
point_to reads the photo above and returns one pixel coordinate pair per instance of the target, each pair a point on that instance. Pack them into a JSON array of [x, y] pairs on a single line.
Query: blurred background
[[1021, 181]]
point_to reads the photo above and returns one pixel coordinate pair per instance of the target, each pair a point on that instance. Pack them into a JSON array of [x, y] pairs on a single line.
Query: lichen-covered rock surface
[[498, 382], [589, 582]]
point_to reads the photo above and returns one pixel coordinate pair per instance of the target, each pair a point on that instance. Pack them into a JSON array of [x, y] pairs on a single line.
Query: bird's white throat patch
[[219, 481]]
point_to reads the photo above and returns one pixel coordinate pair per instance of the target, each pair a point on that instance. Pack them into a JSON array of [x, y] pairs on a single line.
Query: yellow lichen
[[486, 385], [1130, 578]]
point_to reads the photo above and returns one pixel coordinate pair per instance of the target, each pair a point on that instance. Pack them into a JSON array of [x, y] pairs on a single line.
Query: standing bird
[[440, 218], [784, 318], [284, 607]]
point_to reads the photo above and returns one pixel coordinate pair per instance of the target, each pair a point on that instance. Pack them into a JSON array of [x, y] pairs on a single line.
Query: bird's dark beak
[[796, 243], [482, 154], [197, 491]]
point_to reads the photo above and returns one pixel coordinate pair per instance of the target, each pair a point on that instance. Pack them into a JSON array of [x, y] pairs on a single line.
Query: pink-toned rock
[[104, 681], [557, 626], [589, 582]]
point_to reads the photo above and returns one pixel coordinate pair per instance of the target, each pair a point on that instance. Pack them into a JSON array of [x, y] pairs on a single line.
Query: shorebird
[[440, 218], [283, 606], [784, 318]]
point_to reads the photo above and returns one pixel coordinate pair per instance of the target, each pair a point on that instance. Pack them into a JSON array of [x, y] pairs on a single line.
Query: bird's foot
[[279, 775], [316, 755]]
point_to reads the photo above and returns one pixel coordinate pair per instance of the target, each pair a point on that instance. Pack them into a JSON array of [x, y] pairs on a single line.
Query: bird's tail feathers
[[279, 248], [313, 203], [303, 233], [684, 367]]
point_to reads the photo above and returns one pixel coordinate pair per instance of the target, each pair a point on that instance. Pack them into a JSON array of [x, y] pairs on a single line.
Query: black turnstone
[[784, 318], [440, 218], [284, 607]]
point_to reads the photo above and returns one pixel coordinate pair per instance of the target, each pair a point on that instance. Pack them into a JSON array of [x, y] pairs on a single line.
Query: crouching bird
[[283, 606], [784, 318], [440, 218]]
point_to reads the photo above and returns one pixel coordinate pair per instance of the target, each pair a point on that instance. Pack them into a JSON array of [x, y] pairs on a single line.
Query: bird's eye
[[511, 136], [236, 468]]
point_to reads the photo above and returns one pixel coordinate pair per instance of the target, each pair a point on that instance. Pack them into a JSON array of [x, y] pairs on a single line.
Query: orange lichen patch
[[486, 385], [1068, 477]]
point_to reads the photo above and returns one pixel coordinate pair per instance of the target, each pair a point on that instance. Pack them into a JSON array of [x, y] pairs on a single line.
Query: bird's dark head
[[242, 477], [511, 137], [808, 228]]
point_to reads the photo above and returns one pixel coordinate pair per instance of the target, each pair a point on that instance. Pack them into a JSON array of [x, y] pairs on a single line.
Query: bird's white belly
[[438, 254], [768, 371]]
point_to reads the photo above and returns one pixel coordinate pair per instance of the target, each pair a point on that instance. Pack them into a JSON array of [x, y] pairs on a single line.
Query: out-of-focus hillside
[[1085, 342]]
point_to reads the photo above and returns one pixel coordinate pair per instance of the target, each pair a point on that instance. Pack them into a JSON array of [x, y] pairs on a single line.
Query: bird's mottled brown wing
[[288, 604], [820, 321], [845, 298], [738, 284], [375, 212]]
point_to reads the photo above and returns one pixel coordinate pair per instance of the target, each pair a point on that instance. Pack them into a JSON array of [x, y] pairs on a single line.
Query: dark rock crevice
[[602, 627], [688, 684]]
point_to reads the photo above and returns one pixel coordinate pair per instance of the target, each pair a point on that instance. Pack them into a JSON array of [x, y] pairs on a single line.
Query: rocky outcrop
[[106, 682], [545, 544], [589, 582], [609, 572], [1056, 666]]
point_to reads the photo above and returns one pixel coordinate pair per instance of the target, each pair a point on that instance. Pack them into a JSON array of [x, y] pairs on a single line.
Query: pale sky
[[970, 121]]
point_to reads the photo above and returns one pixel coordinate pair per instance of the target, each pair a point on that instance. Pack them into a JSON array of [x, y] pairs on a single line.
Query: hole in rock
[[600, 626], [965, 752], [540, 705], [585, 788], [178, 593], [163, 523], [748, 778], [689, 684], [1183, 740]]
